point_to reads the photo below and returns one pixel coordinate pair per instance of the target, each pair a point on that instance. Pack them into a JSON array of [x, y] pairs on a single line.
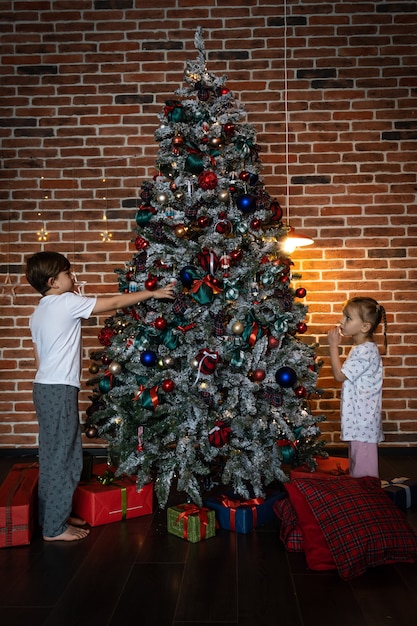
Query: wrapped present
[[18, 499], [242, 516], [104, 499], [330, 466], [191, 522], [402, 491]]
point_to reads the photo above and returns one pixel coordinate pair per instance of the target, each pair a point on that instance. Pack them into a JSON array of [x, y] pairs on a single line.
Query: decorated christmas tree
[[215, 385]]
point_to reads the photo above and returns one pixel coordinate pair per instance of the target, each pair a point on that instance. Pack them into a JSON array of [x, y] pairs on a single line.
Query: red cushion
[[318, 555], [290, 532], [361, 525]]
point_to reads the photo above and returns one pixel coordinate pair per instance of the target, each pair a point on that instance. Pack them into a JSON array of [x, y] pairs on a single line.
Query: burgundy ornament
[[229, 128], [258, 375], [300, 292], [276, 211], [141, 243], [300, 392], [301, 327], [207, 180], [236, 255], [105, 336]]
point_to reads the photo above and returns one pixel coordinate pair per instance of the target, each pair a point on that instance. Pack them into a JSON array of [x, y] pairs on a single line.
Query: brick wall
[[82, 84]]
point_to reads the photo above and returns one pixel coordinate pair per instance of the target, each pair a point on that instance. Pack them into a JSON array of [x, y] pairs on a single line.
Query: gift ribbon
[[399, 482], [233, 505], [193, 509]]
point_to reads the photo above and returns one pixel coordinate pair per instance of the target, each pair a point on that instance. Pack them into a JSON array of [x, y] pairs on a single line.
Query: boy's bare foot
[[73, 520], [71, 534]]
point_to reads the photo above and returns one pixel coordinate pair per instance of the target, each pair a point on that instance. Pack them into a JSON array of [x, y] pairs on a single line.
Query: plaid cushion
[[362, 526], [290, 533]]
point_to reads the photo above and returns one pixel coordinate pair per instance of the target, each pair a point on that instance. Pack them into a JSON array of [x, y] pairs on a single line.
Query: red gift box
[[103, 504], [18, 498], [331, 466]]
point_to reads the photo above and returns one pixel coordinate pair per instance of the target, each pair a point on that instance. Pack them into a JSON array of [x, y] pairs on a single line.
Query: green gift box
[[191, 522]]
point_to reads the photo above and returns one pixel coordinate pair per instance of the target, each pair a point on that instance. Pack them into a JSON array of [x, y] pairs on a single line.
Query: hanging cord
[[286, 117]]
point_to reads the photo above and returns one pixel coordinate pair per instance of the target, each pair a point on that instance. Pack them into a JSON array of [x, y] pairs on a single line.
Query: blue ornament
[[286, 377], [188, 275], [148, 358], [246, 203]]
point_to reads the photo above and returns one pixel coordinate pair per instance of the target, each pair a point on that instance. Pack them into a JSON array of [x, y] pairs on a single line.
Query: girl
[[361, 375]]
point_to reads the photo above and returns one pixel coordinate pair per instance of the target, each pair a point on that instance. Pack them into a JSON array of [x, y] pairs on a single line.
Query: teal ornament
[[143, 217], [267, 278], [281, 325], [240, 228], [105, 384]]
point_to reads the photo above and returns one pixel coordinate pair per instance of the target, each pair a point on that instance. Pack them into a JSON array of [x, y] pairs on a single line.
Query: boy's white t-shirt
[[56, 331], [361, 399]]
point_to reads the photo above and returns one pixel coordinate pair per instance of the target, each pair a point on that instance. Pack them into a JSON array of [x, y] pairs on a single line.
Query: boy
[[56, 333]]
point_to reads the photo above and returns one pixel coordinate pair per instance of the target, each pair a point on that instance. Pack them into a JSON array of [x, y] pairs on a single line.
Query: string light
[[42, 233], [105, 235]]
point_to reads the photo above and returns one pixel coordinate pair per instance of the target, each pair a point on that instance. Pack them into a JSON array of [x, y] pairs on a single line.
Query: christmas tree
[[216, 384]]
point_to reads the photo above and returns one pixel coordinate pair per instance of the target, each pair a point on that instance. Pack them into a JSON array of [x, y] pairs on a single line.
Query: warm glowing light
[[294, 240]]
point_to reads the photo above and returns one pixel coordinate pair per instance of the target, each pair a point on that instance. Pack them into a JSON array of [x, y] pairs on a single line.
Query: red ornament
[[229, 128], [151, 283], [300, 292], [168, 385], [258, 375], [276, 211], [219, 434], [244, 175], [272, 342], [223, 91], [300, 392], [301, 327], [105, 336], [223, 226], [203, 221], [141, 243], [160, 323], [207, 180], [255, 223], [236, 255]]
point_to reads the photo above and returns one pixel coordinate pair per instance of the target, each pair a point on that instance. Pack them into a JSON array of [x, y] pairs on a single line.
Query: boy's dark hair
[[42, 266]]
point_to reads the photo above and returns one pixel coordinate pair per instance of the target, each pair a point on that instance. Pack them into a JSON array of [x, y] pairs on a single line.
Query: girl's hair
[[370, 311], [45, 265]]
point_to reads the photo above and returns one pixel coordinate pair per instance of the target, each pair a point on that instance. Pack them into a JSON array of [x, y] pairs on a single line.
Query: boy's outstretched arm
[[121, 300], [334, 338]]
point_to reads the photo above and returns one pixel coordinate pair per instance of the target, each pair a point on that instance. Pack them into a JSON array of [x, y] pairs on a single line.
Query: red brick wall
[[82, 84]]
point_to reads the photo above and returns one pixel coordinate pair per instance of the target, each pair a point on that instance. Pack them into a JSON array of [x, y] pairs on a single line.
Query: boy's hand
[[165, 292]]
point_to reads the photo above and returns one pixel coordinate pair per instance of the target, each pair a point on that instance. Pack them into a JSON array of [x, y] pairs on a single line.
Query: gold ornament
[[180, 230], [237, 328], [224, 195]]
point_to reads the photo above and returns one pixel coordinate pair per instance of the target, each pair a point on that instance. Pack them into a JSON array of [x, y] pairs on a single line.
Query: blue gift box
[[240, 515], [402, 491]]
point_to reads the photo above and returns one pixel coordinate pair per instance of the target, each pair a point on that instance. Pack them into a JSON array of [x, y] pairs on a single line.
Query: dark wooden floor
[[134, 572]]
